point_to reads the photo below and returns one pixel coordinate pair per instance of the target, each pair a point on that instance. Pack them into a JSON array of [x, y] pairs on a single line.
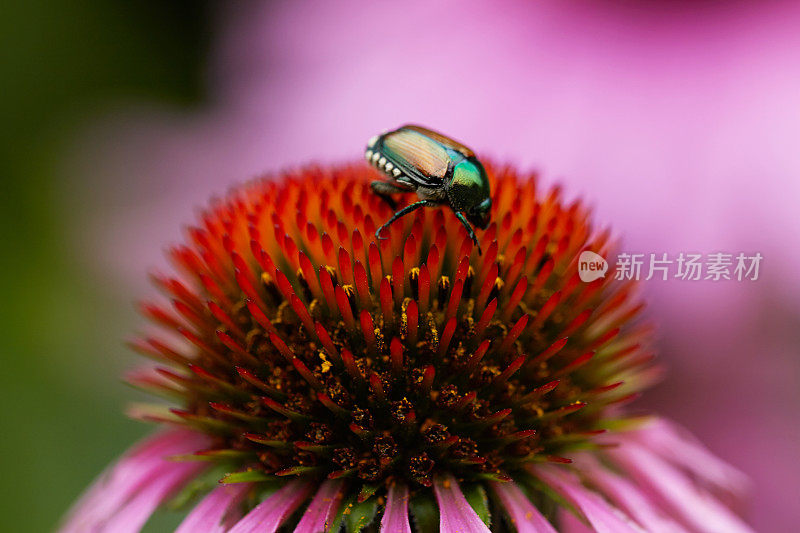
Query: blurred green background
[[61, 331]]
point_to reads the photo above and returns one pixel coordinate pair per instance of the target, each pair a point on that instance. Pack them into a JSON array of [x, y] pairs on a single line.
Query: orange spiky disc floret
[[314, 349]]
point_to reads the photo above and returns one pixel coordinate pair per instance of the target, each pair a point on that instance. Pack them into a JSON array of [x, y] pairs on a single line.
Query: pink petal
[[698, 509], [395, 517], [140, 466], [322, 509], [211, 514], [568, 522], [455, 513], [677, 445], [524, 515], [267, 516], [627, 496], [603, 517], [135, 513]]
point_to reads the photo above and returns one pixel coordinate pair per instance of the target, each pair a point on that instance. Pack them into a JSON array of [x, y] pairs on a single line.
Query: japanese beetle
[[440, 170]]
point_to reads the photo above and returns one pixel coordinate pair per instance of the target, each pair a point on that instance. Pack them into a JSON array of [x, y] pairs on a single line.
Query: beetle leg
[[385, 189], [406, 210], [470, 231]]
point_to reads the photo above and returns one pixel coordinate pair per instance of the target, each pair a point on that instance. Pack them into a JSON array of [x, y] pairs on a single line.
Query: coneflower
[[324, 379]]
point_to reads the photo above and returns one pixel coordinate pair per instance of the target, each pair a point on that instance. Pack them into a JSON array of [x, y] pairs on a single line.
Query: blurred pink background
[[678, 120]]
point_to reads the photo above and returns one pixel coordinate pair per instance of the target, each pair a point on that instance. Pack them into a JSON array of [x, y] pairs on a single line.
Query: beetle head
[[481, 214], [468, 192]]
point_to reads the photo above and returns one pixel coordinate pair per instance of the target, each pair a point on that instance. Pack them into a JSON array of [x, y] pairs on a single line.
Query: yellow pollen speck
[[404, 316], [326, 365]]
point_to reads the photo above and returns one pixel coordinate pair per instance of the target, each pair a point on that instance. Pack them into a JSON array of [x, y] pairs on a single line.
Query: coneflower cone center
[[314, 349]]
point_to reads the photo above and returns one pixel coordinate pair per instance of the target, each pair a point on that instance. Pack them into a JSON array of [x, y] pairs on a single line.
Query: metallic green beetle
[[440, 170]]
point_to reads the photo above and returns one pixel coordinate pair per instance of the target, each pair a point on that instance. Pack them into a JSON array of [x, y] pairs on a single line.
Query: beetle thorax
[[467, 188]]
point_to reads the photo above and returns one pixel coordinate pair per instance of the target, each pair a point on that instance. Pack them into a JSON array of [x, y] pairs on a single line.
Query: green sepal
[[367, 491], [425, 511], [354, 515], [544, 497], [576, 446], [164, 392], [623, 424], [493, 476], [248, 476], [298, 471], [475, 495], [357, 515], [219, 456], [197, 487], [152, 412]]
